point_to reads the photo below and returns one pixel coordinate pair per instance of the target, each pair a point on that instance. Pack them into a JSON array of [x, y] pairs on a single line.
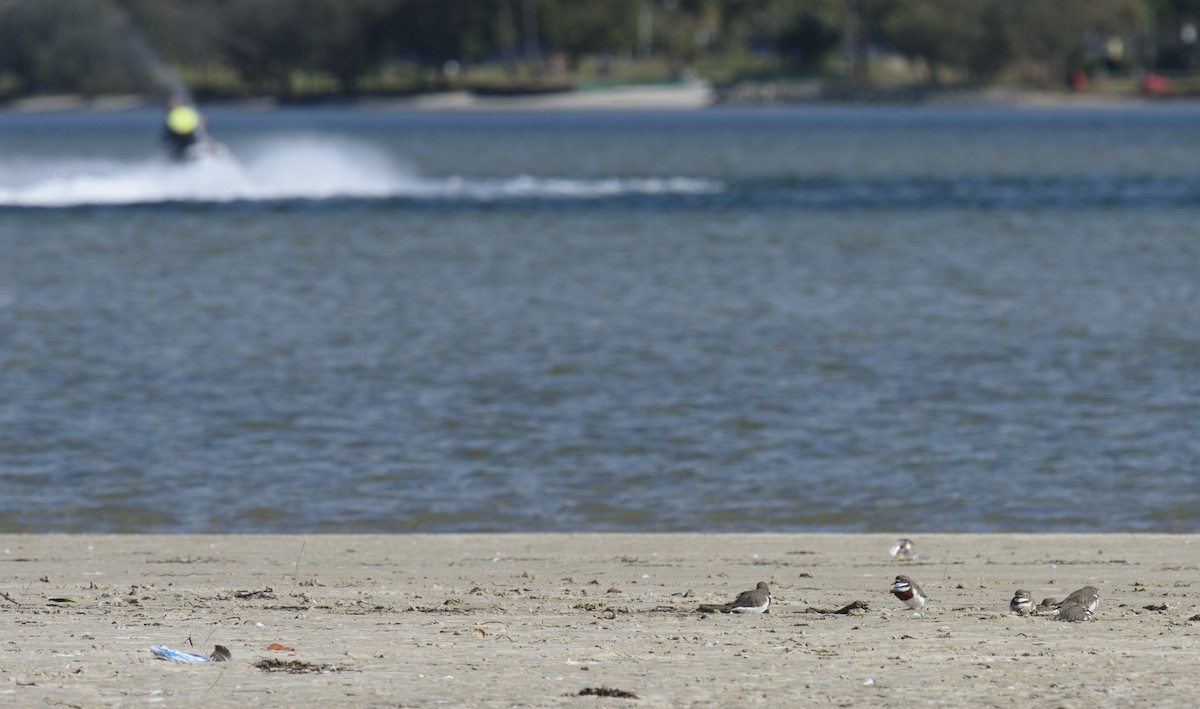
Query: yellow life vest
[[183, 120]]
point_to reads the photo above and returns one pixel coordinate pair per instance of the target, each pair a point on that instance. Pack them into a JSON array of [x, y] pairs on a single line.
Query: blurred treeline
[[289, 48]]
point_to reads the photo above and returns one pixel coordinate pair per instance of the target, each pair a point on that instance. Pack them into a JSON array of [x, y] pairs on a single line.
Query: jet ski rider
[[182, 129]]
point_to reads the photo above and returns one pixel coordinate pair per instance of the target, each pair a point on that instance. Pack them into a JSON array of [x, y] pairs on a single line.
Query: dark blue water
[[819, 319]]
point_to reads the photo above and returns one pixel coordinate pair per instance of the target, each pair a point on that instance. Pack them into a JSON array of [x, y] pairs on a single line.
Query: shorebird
[[1073, 613], [908, 591], [1047, 605], [756, 601], [1086, 598], [903, 549], [1021, 603]]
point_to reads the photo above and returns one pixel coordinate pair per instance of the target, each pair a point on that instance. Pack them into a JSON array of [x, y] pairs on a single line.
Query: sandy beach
[[533, 620]]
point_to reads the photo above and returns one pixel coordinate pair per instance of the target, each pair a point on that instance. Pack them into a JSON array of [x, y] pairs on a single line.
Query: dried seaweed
[[606, 692], [265, 593], [845, 610], [295, 667]]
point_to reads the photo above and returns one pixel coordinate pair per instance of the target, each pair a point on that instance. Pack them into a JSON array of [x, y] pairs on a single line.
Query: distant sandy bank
[[660, 97]]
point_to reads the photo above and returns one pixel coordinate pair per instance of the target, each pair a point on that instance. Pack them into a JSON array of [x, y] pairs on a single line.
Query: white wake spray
[[296, 169]]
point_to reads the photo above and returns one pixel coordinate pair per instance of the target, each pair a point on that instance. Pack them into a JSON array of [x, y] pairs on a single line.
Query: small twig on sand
[[218, 679], [9, 598], [296, 574]]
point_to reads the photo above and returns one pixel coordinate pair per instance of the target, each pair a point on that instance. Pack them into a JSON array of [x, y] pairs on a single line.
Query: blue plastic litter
[[163, 652]]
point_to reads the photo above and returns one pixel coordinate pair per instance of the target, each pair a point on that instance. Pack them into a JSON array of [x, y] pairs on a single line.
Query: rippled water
[[817, 319]]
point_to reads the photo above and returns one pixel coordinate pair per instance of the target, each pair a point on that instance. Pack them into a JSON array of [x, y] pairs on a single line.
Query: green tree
[[433, 32], [258, 38], [679, 24], [90, 46], [1049, 40], [864, 22], [810, 35], [801, 33], [959, 34], [180, 31], [1176, 44], [347, 37], [581, 28], [66, 46]]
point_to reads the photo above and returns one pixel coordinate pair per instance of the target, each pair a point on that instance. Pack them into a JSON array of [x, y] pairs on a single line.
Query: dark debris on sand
[[844, 610], [606, 692], [295, 667]]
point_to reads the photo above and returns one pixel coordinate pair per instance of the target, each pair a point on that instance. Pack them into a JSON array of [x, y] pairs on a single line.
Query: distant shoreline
[[682, 96]]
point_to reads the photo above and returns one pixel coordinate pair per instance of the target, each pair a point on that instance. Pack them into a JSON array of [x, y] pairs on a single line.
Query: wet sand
[[531, 620]]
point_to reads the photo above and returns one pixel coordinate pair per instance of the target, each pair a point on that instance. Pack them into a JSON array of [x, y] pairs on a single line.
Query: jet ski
[[187, 140], [205, 150]]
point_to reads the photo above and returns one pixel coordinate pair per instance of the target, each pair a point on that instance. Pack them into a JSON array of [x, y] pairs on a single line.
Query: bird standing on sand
[[1021, 603], [756, 601], [903, 550], [908, 591]]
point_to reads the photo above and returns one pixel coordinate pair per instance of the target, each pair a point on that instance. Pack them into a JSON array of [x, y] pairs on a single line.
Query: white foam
[[296, 169]]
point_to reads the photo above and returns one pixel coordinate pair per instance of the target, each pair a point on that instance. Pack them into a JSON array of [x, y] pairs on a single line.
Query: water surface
[[832, 319]]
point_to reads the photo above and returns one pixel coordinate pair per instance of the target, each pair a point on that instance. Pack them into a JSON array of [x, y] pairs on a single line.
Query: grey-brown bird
[[1073, 613], [903, 550], [1086, 598], [756, 601]]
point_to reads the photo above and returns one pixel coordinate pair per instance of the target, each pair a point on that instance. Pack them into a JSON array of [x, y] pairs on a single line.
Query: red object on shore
[[1079, 80], [1153, 84]]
